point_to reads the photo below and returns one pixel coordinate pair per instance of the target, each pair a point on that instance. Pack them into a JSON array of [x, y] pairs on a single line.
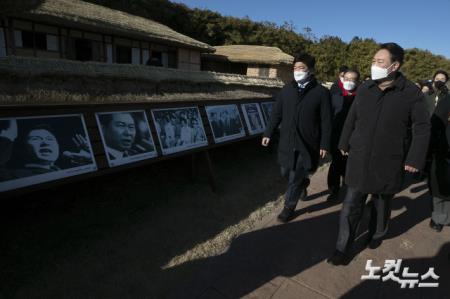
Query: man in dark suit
[[303, 109], [119, 132], [375, 138]]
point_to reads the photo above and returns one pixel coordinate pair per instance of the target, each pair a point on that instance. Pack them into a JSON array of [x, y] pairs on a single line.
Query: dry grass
[[251, 54], [48, 81], [222, 241], [51, 97], [30, 67]]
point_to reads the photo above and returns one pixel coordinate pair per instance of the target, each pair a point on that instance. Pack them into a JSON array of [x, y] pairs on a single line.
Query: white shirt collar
[[115, 153]]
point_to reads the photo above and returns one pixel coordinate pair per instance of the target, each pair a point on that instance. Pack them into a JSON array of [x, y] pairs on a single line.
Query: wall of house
[[260, 70], [33, 39], [189, 60]]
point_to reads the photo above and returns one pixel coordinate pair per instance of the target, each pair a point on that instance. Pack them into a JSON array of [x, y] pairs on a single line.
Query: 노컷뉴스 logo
[[392, 271]]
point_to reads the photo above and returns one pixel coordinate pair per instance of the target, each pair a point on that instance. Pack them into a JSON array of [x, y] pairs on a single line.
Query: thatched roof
[[250, 54], [89, 16], [30, 66], [25, 81]]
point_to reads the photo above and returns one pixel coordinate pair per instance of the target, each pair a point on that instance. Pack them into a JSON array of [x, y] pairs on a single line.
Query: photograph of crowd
[[253, 118], [225, 122], [267, 110], [126, 136], [179, 129], [34, 150]]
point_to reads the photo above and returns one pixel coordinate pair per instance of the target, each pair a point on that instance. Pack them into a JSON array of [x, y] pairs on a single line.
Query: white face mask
[[349, 85], [300, 75], [379, 72]]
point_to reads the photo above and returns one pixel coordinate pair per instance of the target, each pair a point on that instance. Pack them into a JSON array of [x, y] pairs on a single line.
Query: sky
[[411, 24]]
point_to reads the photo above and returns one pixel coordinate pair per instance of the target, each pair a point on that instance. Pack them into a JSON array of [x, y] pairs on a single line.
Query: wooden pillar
[[113, 46], [60, 43], [211, 176], [194, 168], [34, 39], [104, 50], [11, 36]]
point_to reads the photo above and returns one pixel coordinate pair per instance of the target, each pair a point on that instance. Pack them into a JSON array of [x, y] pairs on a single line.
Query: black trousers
[[298, 181], [336, 172], [351, 214]]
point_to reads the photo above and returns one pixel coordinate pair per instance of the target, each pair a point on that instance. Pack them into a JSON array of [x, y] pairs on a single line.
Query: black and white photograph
[[126, 136], [267, 110], [179, 129], [39, 149], [253, 118], [225, 122]]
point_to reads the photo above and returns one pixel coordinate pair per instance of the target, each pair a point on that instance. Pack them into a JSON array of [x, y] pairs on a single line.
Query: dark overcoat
[[375, 134], [305, 118], [440, 149]]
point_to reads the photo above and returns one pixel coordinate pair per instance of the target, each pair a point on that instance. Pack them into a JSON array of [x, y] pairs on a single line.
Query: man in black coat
[[375, 138], [439, 176], [303, 109]]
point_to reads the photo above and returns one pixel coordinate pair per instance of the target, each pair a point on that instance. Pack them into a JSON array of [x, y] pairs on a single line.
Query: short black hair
[[426, 83], [26, 130], [353, 70], [343, 68], [442, 72], [307, 59], [397, 52]]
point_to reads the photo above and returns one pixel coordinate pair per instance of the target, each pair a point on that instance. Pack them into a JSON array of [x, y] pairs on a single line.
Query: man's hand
[[344, 153], [323, 153], [411, 169], [265, 141], [83, 155]]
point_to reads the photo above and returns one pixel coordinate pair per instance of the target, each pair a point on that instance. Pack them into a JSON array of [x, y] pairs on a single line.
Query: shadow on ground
[[259, 257], [109, 237]]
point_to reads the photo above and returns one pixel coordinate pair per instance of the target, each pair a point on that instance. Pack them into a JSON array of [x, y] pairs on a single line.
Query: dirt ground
[[124, 235]]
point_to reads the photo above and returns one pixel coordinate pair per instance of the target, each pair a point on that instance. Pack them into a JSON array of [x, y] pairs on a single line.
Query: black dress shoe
[[437, 227], [304, 185], [333, 197], [286, 214], [374, 244], [304, 195], [338, 258]]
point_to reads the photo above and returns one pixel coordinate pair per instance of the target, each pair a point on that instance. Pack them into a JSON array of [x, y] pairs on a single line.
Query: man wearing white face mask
[[375, 138], [341, 100], [303, 109]]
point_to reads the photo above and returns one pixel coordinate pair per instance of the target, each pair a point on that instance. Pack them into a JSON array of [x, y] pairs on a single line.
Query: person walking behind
[[303, 109], [341, 101], [439, 176]]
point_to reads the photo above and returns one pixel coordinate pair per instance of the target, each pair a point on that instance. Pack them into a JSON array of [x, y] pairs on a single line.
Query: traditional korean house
[[254, 61], [77, 30]]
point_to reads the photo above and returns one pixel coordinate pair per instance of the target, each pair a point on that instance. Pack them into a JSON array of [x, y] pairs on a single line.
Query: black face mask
[[439, 85]]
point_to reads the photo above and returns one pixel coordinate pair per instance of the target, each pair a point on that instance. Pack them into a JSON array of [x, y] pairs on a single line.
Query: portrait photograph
[[39, 149], [126, 136]]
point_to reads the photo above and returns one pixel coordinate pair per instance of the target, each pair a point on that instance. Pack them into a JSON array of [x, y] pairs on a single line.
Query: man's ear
[[395, 66]]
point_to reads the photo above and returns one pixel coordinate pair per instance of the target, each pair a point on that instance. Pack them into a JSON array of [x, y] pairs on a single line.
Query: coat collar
[[399, 82], [312, 83]]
